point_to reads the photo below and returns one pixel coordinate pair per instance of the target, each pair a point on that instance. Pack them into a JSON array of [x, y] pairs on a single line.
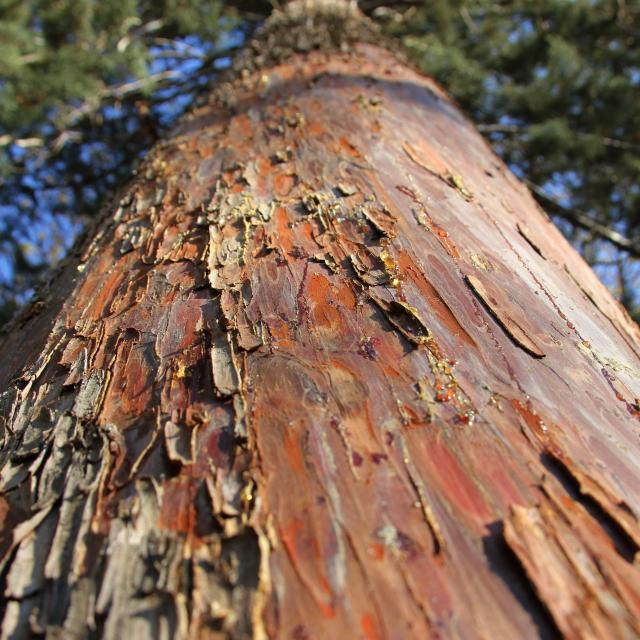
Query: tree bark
[[324, 371]]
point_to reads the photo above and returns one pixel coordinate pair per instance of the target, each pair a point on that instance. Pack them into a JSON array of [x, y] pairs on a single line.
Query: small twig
[[464, 12], [116, 93], [582, 220], [523, 129], [23, 143], [149, 27], [177, 47]]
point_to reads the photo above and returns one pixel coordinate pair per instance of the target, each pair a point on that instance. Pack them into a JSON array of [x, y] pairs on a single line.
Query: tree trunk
[[324, 371]]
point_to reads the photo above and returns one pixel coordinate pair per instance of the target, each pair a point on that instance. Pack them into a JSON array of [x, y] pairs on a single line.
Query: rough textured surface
[[300, 26], [326, 371]]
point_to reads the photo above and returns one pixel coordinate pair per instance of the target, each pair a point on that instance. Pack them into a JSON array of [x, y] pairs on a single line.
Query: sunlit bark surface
[[325, 371]]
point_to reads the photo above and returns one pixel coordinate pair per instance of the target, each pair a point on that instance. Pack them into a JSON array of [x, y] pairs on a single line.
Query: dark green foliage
[[54, 52], [87, 85]]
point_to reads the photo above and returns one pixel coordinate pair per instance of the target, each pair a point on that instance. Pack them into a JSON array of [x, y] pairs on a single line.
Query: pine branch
[[584, 221], [64, 126], [523, 129]]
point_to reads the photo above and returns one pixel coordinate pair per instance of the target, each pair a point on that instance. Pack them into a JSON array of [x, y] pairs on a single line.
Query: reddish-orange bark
[[326, 371]]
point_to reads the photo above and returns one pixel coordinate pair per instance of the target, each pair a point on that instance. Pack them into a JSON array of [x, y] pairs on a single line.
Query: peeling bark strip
[[287, 390], [504, 318]]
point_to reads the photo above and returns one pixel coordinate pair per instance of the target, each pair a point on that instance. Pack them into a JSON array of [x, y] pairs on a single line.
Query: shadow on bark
[[504, 563], [622, 542]]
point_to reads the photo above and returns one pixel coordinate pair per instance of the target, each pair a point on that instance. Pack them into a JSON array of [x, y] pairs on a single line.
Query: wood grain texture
[[324, 371]]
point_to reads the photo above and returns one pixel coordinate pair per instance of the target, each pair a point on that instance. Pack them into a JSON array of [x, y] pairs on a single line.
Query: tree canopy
[[86, 87]]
